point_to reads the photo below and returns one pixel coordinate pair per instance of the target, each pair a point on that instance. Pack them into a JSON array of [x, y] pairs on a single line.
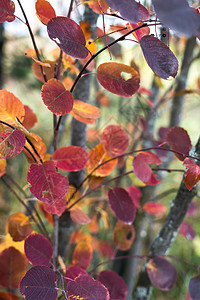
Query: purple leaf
[[72, 272], [11, 143], [161, 273], [128, 9], [187, 231], [68, 35], [178, 16], [122, 205], [85, 287], [46, 184], [39, 283], [115, 285], [38, 250], [194, 287], [159, 57]]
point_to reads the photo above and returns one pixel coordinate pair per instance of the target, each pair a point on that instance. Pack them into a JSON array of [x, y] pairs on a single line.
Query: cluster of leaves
[[52, 189]]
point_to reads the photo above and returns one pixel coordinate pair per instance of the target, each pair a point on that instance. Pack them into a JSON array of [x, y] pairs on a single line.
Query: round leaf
[[159, 57], [111, 76], [38, 250], [68, 36], [19, 226], [161, 273], [58, 100], [115, 140], [44, 11], [194, 287], [123, 236], [122, 205], [82, 255], [39, 283], [71, 158]]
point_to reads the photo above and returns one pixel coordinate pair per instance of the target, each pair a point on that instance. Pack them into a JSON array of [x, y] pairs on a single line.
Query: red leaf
[[79, 216], [124, 236], [111, 76], [85, 112], [58, 100], [177, 15], [11, 143], [128, 9], [114, 283], [115, 140], [82, 255], [39, 283], [141, 167], [86, 287], [57, 207], [192, 173], [154, 208], [46, 184], [30, 118], [159, 57], [8, 296], [44, 11], [38, 250], [187, 231], [135, 195], [139, 33], [71, 158], [72, 272], [13, 266], [7, 9], [68, 36], [122, 205], [194, 290], [162, 273]]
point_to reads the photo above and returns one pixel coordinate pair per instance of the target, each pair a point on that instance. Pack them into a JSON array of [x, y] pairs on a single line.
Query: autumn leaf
[[115, 140], [78, 216], [68, 35], [97, 156], [123, 236], [10, 108], [39, 146], [73, 271], [38, 250], [39, 283], [82, 254], [13, 265], [7, 9], [85, 112], [46, 184], [70, 158], [112, 76], [58, 100], [11, 143], [162, 273], [141, 167], [179, 140], [30, 118], [159, 57], [19, 226], [192, 173], [44, 11], [154, 208]]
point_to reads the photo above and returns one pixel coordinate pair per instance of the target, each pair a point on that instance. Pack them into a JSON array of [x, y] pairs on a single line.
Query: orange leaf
[[102, 99], [97, 156], [8, 296], [10, 108], [98, 6], [86, 27], [48, 71], [13, 267], [39, 62], [124, 235], [68, 82], [2, 166], [30, 117], [82, 255], [40, 147], [44, 11], [19, 226], [76, 196], [85, 112], [48, 216]]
